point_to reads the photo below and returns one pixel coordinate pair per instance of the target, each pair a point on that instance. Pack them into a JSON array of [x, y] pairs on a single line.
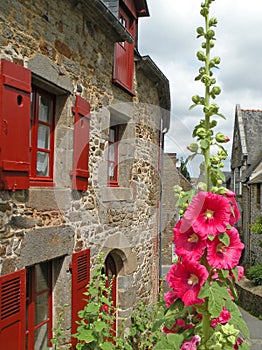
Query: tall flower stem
[[207, 101]]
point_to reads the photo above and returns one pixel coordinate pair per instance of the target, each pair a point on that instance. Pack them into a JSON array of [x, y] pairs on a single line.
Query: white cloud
[[169, 37]]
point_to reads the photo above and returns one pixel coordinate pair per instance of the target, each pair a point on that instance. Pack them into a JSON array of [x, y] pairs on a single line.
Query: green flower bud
[[193, 147], [210, 34], [216, 60], [221, 138], [211, 44], [201, 56], [212, 22], [216, 90], [200, 31], [195, 99], [203, 45], [201, 132], [204, 11], [213, 123]]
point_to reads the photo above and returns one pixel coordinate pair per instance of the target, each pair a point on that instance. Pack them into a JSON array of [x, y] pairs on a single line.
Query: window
[[42, 137], [39, 306], [258, 194], [123, 72], [112, 166]]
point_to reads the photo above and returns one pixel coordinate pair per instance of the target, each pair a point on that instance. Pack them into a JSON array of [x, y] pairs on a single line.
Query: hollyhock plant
[[225, 256], [188, 243], [208, 246]]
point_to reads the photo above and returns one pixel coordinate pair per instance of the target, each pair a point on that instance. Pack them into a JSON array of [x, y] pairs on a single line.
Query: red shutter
[[82, 118], [123, 73], [15, 88], [80, 278], [13, 310]]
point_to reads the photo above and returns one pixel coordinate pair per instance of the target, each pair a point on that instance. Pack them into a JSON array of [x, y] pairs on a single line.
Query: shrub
[[256, 228], [255, 274]]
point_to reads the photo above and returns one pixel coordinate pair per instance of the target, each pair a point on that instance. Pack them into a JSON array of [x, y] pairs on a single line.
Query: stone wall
[[66, 48]]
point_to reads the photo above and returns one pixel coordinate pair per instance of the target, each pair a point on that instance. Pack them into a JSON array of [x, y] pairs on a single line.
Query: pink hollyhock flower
[[186, 278], [169, 298], [191, 344], [223, 318], [240, 273], [235, 214], [221, 256], [238, 342], [208, 213], [188, 244]]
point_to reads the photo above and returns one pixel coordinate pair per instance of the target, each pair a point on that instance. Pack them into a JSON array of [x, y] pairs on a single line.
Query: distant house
[[82, 120], [246, 177]]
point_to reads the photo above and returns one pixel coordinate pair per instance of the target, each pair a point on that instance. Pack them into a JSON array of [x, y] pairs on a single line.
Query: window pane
[[112, 135], [43, 138], [44, 109], [41, 338], [41, 277], [111, 153], [42, 166], [111, 171], [41, 308]]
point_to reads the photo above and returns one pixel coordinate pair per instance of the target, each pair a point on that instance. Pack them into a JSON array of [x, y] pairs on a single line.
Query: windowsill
[[124, 87], [115, 194]]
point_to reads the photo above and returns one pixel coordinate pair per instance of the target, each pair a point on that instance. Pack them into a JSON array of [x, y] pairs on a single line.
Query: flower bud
[[201, 56], [201, 132], [221, 138], [216, 90], [193, 147], [195, 99], [200, 31]]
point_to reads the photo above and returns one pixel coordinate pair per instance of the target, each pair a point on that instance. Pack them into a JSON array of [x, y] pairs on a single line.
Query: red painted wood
[[82, 118], [13, 310], [15, 88], [80, 278]]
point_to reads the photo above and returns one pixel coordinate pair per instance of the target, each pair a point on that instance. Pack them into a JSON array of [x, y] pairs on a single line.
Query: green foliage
[[59, 338], [98, 316], [183, 169], [256, 228], [255, 274], [145, 331]]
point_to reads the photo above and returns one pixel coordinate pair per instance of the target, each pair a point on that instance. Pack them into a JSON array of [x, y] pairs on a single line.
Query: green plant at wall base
[[59, 340], [96, 319], [256, 228], [255, 274], [201, 313]]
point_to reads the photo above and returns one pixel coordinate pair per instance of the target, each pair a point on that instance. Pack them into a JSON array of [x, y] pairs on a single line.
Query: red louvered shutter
[[80, 278], [13, 310], [15, 88], [82, 118]]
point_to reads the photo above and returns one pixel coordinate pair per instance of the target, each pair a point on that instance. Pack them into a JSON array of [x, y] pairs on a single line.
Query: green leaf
[[244, 346], [99, 326], [107, 346], [216, 295], [211, 238], [224, 238], [86, 335], [169, 342], [236, 318]]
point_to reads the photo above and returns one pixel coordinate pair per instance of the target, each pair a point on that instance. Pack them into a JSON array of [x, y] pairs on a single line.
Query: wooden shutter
[[15, 88], [13, 310], [123, 73], [80, 278], [82, 118]]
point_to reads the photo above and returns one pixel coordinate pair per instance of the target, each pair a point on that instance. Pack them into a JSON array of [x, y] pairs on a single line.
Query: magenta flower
[[235, 214], [223, 318], [208, 213], [169, 298], [191, 344], [221, 256], [188, 243], [186, 278]]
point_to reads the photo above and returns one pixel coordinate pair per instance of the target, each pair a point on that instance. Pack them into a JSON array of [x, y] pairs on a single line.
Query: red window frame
[[31, 297], [123, 72], [35, 148], [112, 161]]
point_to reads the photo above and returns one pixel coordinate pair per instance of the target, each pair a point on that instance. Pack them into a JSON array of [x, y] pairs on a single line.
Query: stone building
[[83, 117], [170, 213], [246, 178]]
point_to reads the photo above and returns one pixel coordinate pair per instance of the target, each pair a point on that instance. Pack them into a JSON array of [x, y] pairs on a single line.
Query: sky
[[168, 36]]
